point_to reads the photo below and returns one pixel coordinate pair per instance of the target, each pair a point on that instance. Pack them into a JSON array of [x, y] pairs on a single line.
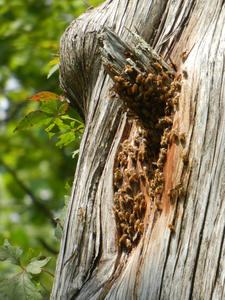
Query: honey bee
[[136, 209], [140, 228], [127, 85], [120, 215], [153, 183], [134, 89], [159, 164], [142, 205], [165, 120], [181, 192], [159, 189], [175, 100], [164, 89], [133, 178], [149, 79], [178, 185], [132, 218], [184, 157], [164, 141], [132, 155], [117, 175], [172, 193], [150, 192], [175, 85], [148, 93], [112, 96], [128, 69], [161, 98], [171, 227], [141, 155], [158, 80], [139, 79], [118, 79], [158, 204], [182, 138], [141, 175], [128, 243], [123, 161], [173, 134], [120, 191], [128, 198], [138, 197], [183, 55], [137, 140], [185, 74], [129, 229], [123, 227], [164, 76], [123, 238], [127, 188], [157, 66], [127, 172], [136, 224]]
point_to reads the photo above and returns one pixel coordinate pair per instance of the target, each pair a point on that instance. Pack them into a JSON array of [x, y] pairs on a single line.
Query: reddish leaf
[[44, 95]]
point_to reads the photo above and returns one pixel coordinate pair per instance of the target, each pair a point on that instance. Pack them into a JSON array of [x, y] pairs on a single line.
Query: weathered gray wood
[[188, 264]]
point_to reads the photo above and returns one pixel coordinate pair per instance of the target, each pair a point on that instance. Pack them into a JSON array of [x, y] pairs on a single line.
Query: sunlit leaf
[[52, 129], [35, 118], [66, 139], [36, 264], [53, 70], [28, 256], [44, 95], [54, 61], [76, 152], [10, 253], [19, 287], [62, 124], [63, 108], [49, 107]]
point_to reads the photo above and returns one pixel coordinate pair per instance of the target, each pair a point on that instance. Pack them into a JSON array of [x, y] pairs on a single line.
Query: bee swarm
[[149, 90], [149, 100]]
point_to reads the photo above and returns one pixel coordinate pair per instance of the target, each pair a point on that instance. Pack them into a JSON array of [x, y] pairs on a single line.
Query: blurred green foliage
[[33, 171]]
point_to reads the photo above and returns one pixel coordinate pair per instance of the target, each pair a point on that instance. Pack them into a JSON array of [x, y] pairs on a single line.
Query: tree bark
[[181, 252]]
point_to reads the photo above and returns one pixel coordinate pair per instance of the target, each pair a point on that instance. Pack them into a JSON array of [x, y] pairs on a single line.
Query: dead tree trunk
[[176, 250]]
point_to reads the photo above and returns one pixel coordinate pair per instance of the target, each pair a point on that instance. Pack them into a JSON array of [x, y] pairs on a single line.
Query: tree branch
[[37, 202]]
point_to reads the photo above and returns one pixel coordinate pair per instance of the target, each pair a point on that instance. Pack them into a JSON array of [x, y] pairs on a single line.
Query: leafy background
[[35, 174]]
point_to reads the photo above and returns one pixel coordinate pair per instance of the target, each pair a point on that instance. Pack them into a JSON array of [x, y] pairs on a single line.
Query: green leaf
[[66, 139], [19, 287], [10, 253], [61, 124], [74, 153], [49, 107], [54, 61], [28, 256], [63, 108], [34, 118], [36, 264], [60, 223], [52, 129], [52, 70], [58, 232]]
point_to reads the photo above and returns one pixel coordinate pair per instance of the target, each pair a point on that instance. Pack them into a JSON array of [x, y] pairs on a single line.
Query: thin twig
[[28, 191]]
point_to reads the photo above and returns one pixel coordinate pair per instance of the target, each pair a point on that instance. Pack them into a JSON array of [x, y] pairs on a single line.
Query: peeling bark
[[187, 263]]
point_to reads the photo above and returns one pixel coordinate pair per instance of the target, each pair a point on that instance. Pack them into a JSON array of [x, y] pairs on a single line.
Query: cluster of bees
[[130, 174], [150, 98]]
